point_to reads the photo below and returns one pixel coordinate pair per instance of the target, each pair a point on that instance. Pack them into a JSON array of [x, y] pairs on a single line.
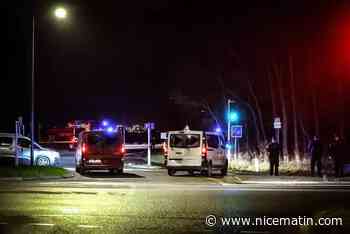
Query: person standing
[[274, 151], [316, 149], [337, 151]]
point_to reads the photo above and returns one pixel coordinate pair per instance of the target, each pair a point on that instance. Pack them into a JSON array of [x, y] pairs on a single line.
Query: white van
[[189, 150]]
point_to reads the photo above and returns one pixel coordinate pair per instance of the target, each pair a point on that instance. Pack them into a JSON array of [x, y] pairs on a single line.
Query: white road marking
[[255, 232], [41, 224], [88, 226]]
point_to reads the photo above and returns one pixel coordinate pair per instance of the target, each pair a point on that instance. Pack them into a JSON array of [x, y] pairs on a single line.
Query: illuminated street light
[[60, 13]]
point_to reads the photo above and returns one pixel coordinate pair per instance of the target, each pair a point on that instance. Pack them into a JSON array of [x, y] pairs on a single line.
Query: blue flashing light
[[104, 123], [218, 129], [228, 146], [110, 129]]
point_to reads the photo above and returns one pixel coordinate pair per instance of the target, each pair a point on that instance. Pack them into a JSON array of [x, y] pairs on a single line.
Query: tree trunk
[[273, 100], [341, 109], [315, 112], [261, 122], [294, 110], [284, 112]]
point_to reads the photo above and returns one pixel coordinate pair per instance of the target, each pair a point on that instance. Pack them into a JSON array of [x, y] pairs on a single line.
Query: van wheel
[[191, 172], [171, 172], [210, 169], [43, 161], [82, 171], [120, 171], [224, 169]]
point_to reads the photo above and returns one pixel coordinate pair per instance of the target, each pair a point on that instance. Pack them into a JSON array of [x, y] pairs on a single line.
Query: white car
[[42, 156], [189, 150]]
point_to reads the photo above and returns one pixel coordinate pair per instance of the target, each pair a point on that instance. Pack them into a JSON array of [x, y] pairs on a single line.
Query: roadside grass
[[31, 171], [245, 167]]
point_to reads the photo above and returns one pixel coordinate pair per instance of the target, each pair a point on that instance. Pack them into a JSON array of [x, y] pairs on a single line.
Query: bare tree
[[257, 105], [273, 100], [294, 111]]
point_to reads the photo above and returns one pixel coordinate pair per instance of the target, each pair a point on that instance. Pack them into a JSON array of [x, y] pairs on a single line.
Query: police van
[[189, 150]]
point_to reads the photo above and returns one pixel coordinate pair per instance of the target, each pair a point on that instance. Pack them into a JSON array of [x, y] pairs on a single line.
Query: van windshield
[[185, 140]]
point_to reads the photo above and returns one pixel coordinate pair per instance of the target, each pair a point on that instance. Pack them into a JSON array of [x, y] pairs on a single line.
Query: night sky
[[122, 59]]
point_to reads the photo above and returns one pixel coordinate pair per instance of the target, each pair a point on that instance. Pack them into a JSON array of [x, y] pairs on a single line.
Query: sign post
[[149, 127], [236, 133], [277, 125]]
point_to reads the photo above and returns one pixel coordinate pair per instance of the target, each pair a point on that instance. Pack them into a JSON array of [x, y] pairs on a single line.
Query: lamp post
[[229, 101], [60, 13]]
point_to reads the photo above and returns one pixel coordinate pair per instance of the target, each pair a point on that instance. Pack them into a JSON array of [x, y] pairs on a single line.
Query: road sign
[[277, 124], [236, 131], [163, 135], [149, 125]]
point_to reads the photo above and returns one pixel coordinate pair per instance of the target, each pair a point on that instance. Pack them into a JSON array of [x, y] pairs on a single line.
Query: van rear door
[[104, 144], [185, 148]]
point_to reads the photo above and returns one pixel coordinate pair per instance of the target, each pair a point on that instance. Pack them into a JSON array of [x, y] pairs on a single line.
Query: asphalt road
[[149, 201]]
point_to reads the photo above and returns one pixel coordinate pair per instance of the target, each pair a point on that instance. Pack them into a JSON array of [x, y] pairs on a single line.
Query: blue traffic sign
[[236, 131]]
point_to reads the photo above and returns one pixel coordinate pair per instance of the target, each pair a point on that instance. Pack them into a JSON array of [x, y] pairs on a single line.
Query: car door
[[222, 151], [213, 144], [24, 151]]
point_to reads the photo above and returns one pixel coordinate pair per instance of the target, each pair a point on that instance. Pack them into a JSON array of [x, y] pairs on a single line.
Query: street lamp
[[60, 13]]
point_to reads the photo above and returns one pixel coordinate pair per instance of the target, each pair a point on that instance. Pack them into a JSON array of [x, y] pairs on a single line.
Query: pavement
[[147, 200]]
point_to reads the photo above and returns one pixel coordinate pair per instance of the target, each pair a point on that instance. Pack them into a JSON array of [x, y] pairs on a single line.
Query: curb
[[69, 175]]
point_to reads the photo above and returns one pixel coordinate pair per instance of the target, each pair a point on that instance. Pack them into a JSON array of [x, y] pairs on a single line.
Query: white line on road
[[88, 226], [41, 224]]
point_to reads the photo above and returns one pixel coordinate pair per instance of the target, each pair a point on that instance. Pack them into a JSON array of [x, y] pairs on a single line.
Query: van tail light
[[74, 140], [84, 150], [165, 149], [204, 151], [122, 150]]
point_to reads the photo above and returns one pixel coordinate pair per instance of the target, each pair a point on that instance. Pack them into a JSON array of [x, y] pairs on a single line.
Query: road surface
[[149, 201]]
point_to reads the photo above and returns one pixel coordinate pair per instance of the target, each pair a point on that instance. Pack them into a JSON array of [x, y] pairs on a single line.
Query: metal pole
[[235, 155], [32, 95], [16, 144], [149, 144], [228, 130]]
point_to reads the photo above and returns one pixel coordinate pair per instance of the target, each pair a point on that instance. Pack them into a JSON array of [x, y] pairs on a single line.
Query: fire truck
[[66, 137]]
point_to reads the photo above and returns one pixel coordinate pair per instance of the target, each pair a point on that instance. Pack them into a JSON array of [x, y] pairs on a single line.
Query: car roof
[[4, 134]]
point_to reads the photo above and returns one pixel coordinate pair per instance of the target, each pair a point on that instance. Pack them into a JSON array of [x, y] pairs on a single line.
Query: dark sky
[[121, 59]]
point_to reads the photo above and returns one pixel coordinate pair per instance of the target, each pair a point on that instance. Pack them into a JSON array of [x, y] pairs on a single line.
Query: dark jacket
[[337, 150], [274, 150], [316, 149]]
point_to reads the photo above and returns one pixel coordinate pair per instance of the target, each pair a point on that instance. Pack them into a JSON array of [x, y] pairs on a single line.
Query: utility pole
[[32, 95]]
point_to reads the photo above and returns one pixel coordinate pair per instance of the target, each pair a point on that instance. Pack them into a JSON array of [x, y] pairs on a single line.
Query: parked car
[[42, 156], [189, 150], [100, 150]]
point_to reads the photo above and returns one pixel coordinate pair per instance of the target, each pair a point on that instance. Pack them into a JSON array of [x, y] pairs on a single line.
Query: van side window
[[213, 141], [6, 141], [24, 143]]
